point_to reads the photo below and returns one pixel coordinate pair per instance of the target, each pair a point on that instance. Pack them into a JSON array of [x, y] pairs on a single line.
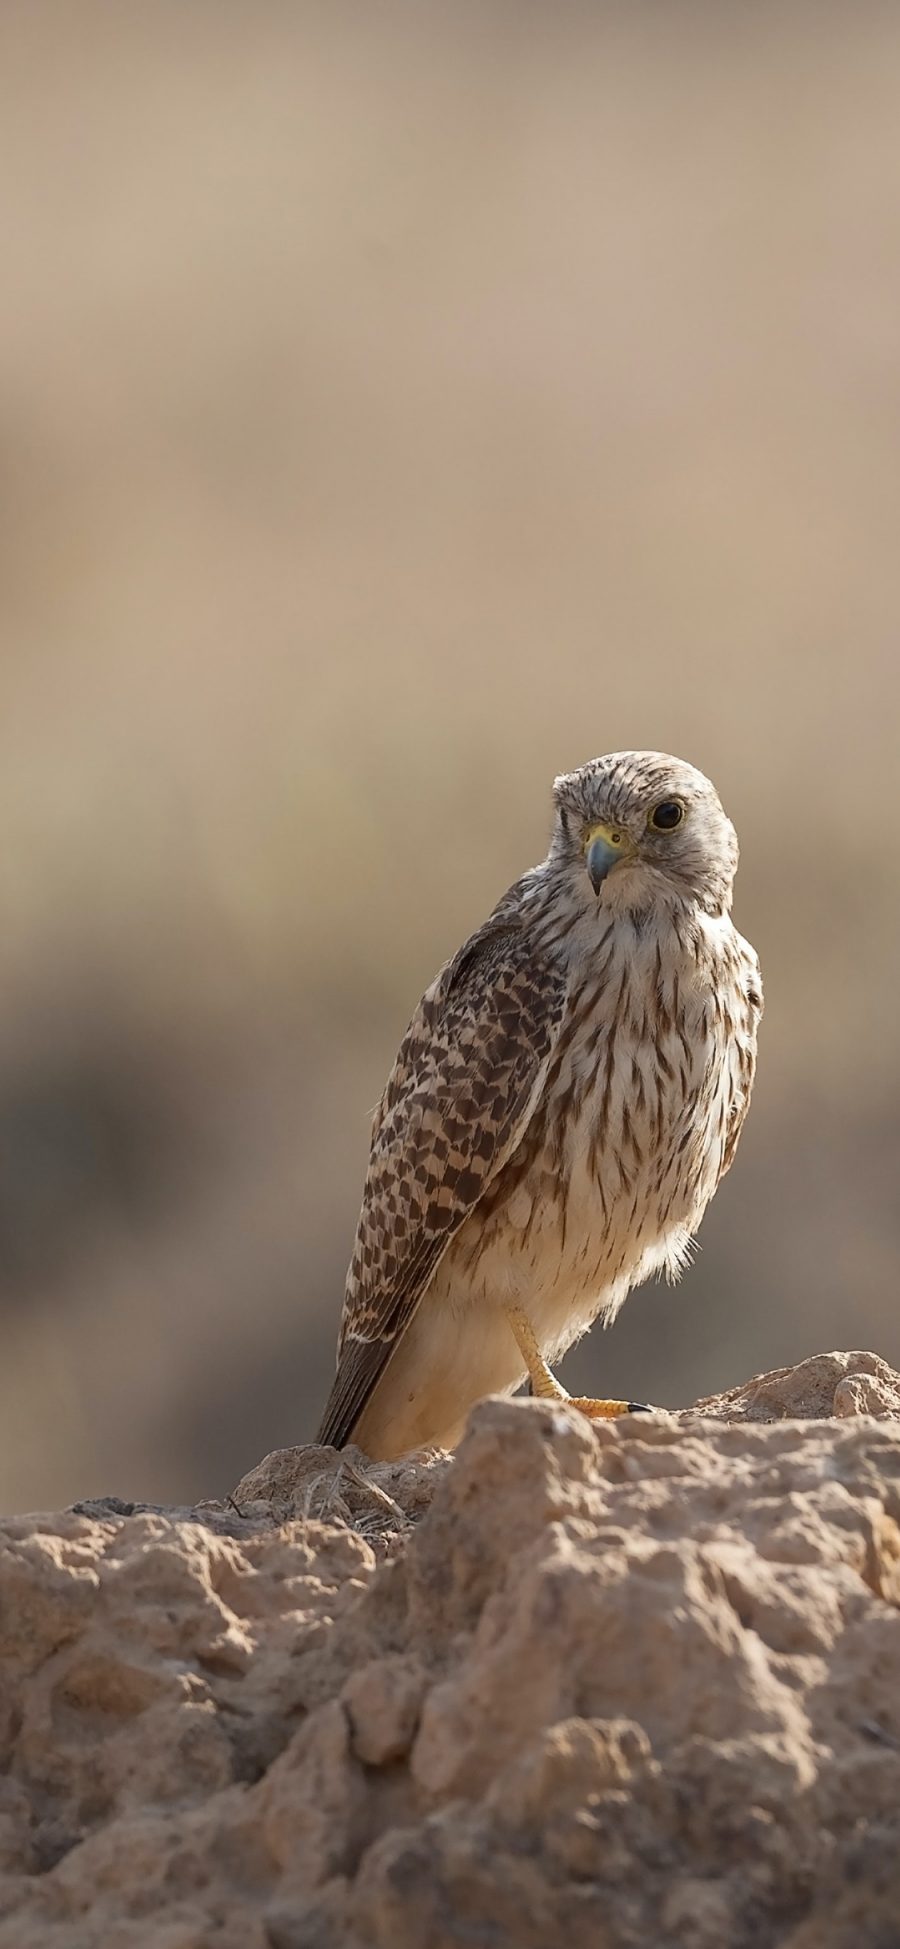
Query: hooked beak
[[606, 847]]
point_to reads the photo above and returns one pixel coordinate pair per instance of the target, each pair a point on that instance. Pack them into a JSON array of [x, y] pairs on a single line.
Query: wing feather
[[465, 1082]]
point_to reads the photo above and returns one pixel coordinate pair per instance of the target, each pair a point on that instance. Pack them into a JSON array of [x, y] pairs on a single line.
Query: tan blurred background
[[400, 405]]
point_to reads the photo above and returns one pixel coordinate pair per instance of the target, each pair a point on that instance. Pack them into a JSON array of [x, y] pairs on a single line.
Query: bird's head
[[638, 823]]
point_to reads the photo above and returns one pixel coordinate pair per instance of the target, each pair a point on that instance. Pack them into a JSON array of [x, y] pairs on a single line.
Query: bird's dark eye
[[666, 816]]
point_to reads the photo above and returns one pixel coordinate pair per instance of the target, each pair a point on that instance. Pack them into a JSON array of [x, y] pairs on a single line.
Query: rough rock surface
[[631, 1684]]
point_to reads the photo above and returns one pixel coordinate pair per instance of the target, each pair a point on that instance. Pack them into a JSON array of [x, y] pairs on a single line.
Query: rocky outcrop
[[624, 1684]]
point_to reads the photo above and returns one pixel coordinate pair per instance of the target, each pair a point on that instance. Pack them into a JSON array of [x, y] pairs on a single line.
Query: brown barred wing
[[467, 1077]]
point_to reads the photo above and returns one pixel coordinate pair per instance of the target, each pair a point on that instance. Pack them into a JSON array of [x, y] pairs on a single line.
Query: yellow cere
[[614, 836]]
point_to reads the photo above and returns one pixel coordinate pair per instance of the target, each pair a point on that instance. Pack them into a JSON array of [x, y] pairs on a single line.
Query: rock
[[595, 1685], [383, 1701], [828, 1383]]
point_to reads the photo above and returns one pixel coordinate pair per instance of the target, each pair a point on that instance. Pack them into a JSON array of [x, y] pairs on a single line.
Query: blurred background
[[398, 406]]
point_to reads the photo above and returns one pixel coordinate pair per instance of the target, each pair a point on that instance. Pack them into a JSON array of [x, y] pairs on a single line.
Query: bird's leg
[[543, 1383], [546, 1386]]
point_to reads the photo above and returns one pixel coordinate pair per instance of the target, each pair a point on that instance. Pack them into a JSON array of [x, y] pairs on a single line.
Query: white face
[[637, 822]]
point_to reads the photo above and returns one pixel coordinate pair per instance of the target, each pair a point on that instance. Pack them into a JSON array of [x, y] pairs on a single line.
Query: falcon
[[568, 1094]]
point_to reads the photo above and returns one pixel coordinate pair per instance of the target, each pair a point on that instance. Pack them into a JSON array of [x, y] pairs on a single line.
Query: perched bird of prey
[[565, 1100]]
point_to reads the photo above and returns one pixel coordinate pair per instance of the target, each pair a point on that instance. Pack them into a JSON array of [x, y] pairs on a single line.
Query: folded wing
[[468, 1074]]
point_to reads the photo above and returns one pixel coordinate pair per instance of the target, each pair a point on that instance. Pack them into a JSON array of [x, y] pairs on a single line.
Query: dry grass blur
[[398, 406]]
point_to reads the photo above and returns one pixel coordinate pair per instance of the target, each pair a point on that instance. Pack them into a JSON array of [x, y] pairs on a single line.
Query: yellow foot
[[545, 1385], [607, 1410]]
